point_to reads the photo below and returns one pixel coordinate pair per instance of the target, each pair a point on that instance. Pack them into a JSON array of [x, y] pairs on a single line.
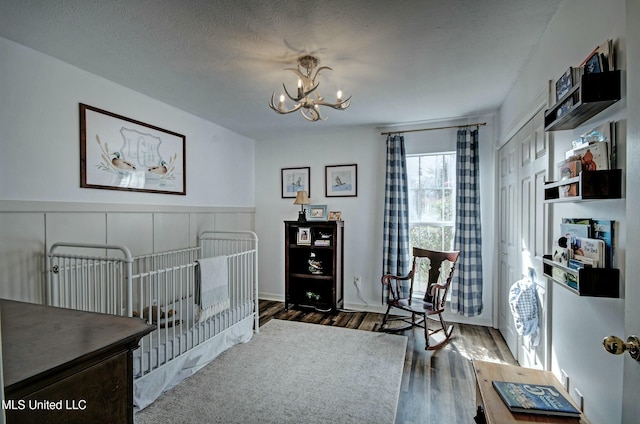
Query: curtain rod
[[432, 129]]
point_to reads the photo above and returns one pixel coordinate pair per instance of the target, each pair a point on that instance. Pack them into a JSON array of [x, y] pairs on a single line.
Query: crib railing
[[241, 247], [108, 272]]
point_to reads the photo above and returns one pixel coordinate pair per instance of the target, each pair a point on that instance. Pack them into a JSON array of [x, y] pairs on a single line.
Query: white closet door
[[524, 164]]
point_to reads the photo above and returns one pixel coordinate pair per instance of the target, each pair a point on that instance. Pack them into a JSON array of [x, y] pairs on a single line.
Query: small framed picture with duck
[[120, 153]]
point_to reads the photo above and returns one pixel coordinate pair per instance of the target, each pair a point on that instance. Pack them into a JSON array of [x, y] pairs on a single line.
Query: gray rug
[[292, 372]]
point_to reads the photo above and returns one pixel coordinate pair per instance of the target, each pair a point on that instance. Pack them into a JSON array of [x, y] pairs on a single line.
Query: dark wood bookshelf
[[593, 94], [320, 290], [590, 185]]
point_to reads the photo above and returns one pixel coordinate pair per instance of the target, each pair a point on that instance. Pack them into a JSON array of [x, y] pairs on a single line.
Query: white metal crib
[[162, 288]]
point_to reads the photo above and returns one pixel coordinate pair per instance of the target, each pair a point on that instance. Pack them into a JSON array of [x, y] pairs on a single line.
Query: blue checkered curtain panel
[[466, 287], [396, 257]]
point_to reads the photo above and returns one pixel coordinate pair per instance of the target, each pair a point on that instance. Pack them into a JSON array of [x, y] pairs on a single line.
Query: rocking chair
[[433, 304]]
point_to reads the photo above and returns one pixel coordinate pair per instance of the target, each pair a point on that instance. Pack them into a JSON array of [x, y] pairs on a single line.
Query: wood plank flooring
[[437, 386]]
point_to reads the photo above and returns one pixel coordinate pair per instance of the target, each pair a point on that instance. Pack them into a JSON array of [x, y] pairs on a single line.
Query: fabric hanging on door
[[523, 302], [466, 288], [396, 258]]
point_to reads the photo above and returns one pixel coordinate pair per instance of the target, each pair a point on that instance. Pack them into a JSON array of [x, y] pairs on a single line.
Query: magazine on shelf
[[535, 399]]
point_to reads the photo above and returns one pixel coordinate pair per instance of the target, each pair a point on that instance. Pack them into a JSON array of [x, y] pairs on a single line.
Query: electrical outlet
[[565, 379], [579, 399]]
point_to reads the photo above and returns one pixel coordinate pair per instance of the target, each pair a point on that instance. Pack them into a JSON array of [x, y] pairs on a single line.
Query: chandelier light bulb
[[281, 104], [339, 95]]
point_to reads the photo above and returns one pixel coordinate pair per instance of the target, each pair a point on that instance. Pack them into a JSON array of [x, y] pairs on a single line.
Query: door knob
[[617, 346]]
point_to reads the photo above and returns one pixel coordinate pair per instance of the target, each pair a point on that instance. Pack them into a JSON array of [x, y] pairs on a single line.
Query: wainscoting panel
[[21, 255], [27, 230], [170, 231], [134, 230]]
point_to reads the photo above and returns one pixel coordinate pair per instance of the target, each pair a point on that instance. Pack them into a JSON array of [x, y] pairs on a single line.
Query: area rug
[[292, 372]]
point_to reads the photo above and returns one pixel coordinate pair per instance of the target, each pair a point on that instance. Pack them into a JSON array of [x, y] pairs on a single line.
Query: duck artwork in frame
[[341, 180], [119, 153]]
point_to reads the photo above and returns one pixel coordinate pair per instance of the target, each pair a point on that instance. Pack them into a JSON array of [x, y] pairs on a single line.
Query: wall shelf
[[593, 94], [590, 185], [593, 282]]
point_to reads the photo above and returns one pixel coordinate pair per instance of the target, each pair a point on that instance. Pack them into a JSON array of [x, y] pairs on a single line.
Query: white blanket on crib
[[213, 288]]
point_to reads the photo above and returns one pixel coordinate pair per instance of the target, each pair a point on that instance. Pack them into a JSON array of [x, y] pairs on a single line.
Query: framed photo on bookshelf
[[317, 213], [304, 236], [335, 216]]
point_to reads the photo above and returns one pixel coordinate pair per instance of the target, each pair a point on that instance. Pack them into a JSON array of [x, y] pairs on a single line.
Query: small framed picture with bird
[[341, 180], [119, 153]]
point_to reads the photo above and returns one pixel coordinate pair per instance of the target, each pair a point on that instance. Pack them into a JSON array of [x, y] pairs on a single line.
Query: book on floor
[[535, 399]]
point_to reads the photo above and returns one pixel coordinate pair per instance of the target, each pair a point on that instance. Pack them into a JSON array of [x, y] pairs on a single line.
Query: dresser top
[[38, 340]]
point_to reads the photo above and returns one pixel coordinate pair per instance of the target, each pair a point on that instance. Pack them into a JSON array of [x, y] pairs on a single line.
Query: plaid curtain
[[396, 255], [466, 287]]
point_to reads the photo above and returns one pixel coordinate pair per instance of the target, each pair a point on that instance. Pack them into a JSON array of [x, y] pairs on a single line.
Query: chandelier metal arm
[[280, 110], [338, 105], [303, 93], [312, 114]]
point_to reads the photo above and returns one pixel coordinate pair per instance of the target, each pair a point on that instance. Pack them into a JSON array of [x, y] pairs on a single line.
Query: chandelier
[[308, 100]]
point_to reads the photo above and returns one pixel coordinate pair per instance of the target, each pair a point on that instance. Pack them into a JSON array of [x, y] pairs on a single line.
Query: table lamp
[[302, 199]]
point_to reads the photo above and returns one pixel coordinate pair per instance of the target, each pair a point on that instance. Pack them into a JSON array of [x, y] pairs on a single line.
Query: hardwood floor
[[437, 386]]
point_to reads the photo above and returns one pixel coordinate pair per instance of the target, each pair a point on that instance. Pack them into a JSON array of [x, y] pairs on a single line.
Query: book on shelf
[[601, 229], [568, 190], [567, 81], [592, 157], [575, 230], [577, 265], [565, 107], [603, 133], [569, 168], [535, 399], [589, 250], [601, 59], [322, 242]]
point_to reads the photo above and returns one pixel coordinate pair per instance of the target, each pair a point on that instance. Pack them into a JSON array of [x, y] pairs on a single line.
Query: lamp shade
[[301, 198]]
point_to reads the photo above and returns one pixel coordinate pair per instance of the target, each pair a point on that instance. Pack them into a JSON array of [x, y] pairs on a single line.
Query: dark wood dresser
[[67, 366]]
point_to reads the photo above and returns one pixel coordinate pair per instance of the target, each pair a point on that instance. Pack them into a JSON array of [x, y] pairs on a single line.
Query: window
[[432, 200]]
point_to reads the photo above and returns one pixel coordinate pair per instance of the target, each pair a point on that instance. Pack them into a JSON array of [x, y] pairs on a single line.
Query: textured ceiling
[[403, 61]]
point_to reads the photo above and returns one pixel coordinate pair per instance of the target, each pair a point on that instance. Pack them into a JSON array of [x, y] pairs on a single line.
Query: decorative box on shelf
[[594, 282], [588, 185]]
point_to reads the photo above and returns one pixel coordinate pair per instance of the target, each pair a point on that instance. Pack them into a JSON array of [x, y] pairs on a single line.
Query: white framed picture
[[304, 236]]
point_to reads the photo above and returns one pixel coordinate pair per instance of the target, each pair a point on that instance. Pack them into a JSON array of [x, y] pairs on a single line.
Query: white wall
[[41, 201], [363, 215], [578, 324], [40, 137]]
